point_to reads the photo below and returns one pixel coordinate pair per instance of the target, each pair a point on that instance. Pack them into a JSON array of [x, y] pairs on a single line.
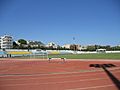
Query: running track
[[56, 75]]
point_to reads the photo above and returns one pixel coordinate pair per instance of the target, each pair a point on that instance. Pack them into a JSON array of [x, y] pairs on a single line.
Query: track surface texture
[[58, 75]]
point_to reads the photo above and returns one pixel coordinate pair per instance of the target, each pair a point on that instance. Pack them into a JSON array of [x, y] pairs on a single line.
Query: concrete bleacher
[[60, 51], [36, 52], [3, 54], [19, 53]]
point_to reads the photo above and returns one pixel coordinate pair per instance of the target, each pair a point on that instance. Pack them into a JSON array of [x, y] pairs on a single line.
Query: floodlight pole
[[74, 45]]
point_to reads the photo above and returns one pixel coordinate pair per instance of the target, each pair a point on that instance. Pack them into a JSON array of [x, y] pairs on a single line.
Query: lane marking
[[53, 82], [94, 87], [54, 73], [81, 76]]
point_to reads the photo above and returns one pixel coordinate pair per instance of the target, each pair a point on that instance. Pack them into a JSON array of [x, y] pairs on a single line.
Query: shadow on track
[[112, 77]]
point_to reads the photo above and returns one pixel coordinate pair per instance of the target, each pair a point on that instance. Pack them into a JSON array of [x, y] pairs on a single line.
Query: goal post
[[40, 55]]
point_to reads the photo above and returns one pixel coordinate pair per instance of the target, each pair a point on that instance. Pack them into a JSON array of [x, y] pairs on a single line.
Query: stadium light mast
[[74, 47]]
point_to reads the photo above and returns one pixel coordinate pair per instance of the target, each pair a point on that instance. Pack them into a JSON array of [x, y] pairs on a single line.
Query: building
[[83, 48], [101, 50], [6, 42], [72, 46], [52, 44], [66, 46], [75, 47], [78, 47], [35, 43]]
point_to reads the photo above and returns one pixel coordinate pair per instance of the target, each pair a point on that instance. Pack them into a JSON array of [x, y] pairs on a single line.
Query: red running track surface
[[56, 75]]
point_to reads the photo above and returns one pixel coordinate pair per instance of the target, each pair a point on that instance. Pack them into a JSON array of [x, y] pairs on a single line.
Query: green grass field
[[81, 56], [89, 56]]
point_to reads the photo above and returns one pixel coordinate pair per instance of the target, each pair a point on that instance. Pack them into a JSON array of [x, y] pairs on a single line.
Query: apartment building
[[6, 42]]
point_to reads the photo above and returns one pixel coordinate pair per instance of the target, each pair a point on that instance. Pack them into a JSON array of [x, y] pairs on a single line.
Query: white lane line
[[75, 81], [55, 73], [94, 87], [31, 78], [49, 77], [51, 73]]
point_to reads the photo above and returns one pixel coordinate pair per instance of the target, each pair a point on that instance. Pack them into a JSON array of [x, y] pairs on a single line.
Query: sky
[[87, 21]]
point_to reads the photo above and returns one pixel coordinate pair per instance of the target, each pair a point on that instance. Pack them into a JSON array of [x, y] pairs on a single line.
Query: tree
[[22, 41], [23, 44], [108, 48], [115, 48], [91, 48], [15, 45]]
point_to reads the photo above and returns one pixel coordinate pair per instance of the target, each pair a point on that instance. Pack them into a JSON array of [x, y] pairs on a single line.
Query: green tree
[[91, 48], [22, 41], [15, 45]]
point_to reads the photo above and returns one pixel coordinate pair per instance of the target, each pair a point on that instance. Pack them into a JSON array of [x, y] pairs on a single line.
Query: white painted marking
[[29, 78], [52, 82], [103, 86], [56, 73]]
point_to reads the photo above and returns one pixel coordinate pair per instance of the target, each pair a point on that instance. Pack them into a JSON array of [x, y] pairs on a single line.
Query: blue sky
[[89, 21]]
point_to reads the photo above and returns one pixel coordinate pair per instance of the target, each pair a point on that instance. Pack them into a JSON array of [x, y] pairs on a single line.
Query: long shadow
[[112, 77]]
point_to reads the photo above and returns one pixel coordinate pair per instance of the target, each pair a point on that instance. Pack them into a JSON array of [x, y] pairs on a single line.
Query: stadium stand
[[3, 54], [18, 53], [53, 52]]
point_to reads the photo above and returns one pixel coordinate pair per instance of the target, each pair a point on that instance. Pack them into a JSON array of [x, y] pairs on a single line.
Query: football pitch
[[89, 56], [80, 56]]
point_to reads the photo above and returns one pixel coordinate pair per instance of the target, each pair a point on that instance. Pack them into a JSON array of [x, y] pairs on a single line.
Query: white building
[[6, 42], [101, 50], [35, 43], [66, 46], [52, 44]]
